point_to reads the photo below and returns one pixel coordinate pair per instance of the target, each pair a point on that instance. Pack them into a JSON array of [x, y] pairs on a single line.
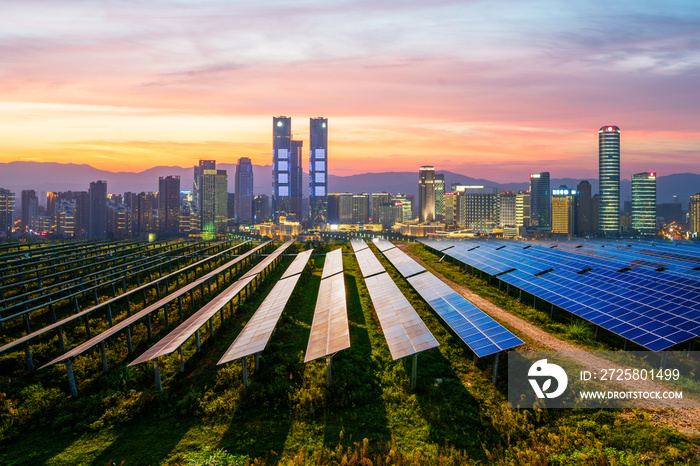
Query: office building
[[644, 204], [508, 200], [609, 180], [360, 208], [449, 202], [318, 171], [477, 208], [296, 212], [244, 191], [381, 209], [197, 181], [402, 210], [169, 204], [281, 166], [584, 225], [214, 202], [30, 207], [540, 201], [98, 210], [261, 208], [7, 211], [563, 210], [426, 194], [694, 213], [522, 209], [340, 209], [439, 194]]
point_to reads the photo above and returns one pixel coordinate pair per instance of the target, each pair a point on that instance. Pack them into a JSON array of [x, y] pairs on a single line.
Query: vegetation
[[287, 416]]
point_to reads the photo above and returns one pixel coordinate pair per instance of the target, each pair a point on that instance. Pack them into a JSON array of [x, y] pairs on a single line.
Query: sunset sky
[[489, 89]]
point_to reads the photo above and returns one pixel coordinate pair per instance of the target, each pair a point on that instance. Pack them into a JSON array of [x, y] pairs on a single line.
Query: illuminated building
[[7, 210], [694, 213], [30, 206], [644, 203], [244, 191], [98, 210], [439, 195], [540, 201], [609, 179], [295, 180], [381, 209], [281, 166], [214, 201], [360, 208], [477, 208], [584, 220], [197, 183], [426, 194], [563, 210], [318, 170]]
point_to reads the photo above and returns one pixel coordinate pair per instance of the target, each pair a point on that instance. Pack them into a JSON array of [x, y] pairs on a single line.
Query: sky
[[488, 89]]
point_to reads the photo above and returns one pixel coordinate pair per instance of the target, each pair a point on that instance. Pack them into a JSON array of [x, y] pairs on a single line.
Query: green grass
[[288, 416]]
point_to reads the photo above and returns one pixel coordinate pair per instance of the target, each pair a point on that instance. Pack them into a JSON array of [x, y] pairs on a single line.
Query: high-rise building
[[261, 208], [98, 210], [402, 210], [439, 194], [281, 166], [508, 201], [522, 209], [197, 183], [540, 201], [449, 202], [644, 203], [563, 210], [7, 210], [609, 180], [694, 213], [477, 208], [426, 194], [583, 209], [295, 185], [168, 204], [318, 171], [214, 202], [360, 208], [244, 191], [30, 206], [381, 209], [340, 208]]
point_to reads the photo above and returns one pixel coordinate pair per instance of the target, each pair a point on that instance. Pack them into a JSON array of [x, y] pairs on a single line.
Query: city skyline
[[468, 87]]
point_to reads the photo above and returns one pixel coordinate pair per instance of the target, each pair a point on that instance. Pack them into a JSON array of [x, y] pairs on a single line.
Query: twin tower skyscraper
[[287, 172]]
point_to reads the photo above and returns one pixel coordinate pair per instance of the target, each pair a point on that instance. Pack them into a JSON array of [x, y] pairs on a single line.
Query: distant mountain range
[[51, 176]]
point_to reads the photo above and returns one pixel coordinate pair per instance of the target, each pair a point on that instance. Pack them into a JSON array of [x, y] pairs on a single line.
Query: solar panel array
[[405, 332], [481, 333], [369, 264], [173, 340], [611, 285], [122, 325], [257, 332], [330, 331]]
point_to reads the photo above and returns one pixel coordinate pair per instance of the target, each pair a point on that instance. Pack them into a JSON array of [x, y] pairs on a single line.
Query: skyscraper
[[281, 170], [261, 208], [540, 201], [563, 210], [381, 209], [30, 206], [244, 191], [694, 213], [644, 203], [318, 170], [98, 210], [439, 194], [7, 210], [360, 208], [609, 179], [426, 194], [295, 180], [169, 204], [197, 183], [214, 201]]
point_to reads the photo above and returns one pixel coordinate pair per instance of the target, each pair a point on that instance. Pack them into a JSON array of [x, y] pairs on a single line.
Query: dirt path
[[685, 420]]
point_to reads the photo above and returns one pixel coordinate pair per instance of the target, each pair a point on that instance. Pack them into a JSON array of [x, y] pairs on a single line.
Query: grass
[[369, 415]]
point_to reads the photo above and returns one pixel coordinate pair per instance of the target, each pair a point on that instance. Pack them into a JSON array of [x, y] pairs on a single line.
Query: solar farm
[[278, 343]]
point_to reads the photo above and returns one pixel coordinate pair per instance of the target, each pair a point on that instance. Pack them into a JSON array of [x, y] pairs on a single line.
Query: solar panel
[[403, 263], [333, 264], [358, 245], [369, 264], [383, 244], [330, 331], [149, 309], [478, 330], [173, 340], [405, 332], [255, 335]]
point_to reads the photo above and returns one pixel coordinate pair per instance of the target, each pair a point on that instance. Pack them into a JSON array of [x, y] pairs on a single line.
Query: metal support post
[[71, 379], [30, 360], [664, 360], [495, 369], [109, 314], [414, 373], [103, 352], [128, 339], [181, 359], [179, 304], [196, 339], [156, 371], [148, 326], [245, 373], [165, 311]]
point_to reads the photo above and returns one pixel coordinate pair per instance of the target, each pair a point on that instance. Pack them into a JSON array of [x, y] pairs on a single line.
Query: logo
[[540, 370]]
